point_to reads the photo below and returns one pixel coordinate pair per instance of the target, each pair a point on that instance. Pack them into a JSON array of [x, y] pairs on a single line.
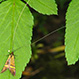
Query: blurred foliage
[[62, 3]]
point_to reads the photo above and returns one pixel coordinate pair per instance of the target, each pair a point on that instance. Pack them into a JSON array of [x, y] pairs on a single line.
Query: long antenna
[[49, 34], [38, 39], [42, 37]]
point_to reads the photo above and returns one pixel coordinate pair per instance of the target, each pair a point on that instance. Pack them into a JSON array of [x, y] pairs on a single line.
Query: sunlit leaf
[[16, 23], [72, 33], [43, 6]]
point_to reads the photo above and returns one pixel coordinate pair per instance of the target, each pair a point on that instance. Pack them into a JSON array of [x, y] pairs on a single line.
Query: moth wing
[[6, 66], [12, 66], [4, 69]]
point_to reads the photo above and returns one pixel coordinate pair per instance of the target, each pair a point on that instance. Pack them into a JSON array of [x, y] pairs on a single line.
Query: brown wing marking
[[6, 66], [12, 66]]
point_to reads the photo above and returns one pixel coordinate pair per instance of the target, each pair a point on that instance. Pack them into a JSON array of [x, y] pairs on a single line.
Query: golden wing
[[6, 66], [12, 66]]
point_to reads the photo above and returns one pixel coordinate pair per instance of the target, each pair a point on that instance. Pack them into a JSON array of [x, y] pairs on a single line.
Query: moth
[[10, 64]]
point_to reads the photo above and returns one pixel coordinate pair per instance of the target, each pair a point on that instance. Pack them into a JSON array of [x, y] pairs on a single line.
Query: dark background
[[45, 64]]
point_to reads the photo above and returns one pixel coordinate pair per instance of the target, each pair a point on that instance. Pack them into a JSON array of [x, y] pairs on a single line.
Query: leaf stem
[[12, 29]]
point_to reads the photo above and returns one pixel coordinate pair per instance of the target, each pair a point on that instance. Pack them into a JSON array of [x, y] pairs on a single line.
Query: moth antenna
[[17, 49], [42, 37]]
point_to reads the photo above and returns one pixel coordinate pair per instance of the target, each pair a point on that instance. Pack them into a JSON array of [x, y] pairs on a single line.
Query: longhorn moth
[[10, 64]]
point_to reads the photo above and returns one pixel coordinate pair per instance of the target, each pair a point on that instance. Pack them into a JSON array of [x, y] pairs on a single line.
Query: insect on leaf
[[10, 64], [16, 22]]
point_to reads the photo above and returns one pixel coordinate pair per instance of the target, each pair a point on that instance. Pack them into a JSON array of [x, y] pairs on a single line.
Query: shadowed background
[[48, 57]]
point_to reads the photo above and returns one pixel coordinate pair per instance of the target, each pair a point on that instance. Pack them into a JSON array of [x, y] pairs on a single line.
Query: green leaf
[[44, 6], [16, 23], [72, 33]]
